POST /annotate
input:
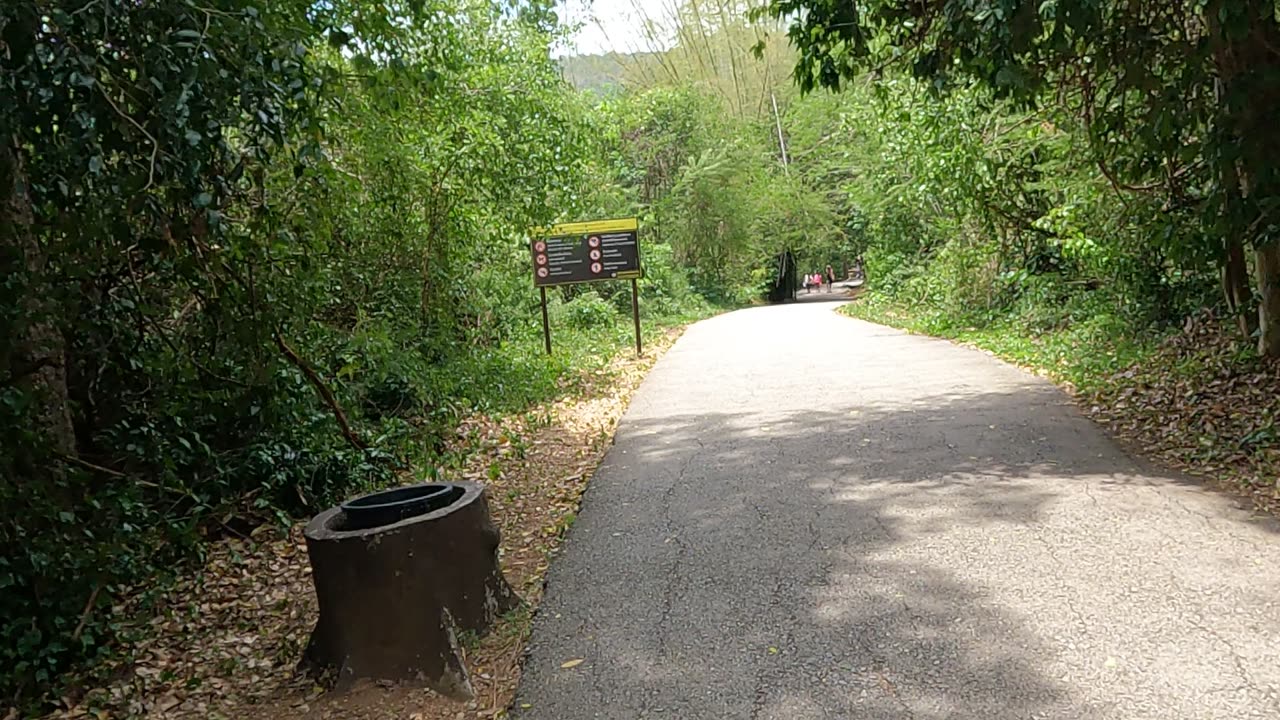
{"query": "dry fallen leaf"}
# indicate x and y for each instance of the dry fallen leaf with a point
(570, 663)
(227, 639)
(1201, 405)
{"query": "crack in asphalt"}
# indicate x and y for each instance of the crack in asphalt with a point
(1062, 586)
(1172, 500)
(760, 695)
(1241, 666)
(920, 532)
(673, 537)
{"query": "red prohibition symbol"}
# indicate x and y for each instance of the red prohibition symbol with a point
(596, 268)
(595, 254)
(542, 272)
(541, 259)
(540, 246)
(593, 241)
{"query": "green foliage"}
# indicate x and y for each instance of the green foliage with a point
(711, 199)
(987, 222)
(665, 284)
(211, 213)
(719, 201)
(1084, 352)
(983, 211)
(1170, 101)
(587, 311)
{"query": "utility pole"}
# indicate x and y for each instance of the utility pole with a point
(782, 142)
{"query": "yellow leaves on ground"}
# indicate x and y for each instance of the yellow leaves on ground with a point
(235, 630)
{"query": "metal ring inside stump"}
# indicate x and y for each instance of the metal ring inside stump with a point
(391, 506)
(397, 574)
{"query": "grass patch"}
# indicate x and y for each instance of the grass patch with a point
(230, 632)
(518, 374)
(1198, 399)
(1083, 353)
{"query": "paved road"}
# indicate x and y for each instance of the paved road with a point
(809, 517)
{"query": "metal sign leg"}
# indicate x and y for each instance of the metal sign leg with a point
(546, 326)
(635, 312)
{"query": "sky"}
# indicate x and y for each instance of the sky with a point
(611, 25)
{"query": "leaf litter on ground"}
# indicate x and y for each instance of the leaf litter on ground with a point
(225, 641)
(1205, 403)
(1202, 402)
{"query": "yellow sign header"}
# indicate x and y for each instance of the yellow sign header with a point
(591, 226)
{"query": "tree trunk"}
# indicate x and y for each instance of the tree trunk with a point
(393, 597)
(35, 360)
(1235, 285)
(1244, 34)
(1267, 259)
(1235, 269)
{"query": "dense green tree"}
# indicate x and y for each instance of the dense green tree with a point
(1174, 96)
(241, 244)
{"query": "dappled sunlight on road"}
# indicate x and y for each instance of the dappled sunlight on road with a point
(885, 526)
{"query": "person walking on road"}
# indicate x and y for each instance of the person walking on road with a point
(831, 278)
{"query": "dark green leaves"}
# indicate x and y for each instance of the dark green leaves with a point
(203, 176)
(338, 38)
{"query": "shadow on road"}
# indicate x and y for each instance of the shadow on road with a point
(875, 562)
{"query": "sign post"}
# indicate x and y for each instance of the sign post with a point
(586, 252)
(546, 326)
(635, 312)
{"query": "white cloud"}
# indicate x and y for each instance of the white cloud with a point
(617, 25)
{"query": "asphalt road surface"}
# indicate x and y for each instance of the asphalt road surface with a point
(807, 516)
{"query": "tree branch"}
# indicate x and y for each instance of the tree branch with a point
(88, 610)
(72, 459)
(323, 390)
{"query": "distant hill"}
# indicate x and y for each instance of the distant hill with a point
(600, 73)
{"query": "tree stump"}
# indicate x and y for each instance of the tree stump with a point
(397, 574)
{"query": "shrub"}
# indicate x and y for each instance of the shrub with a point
(587, 311)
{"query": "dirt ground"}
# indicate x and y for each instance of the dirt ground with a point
(229, 640)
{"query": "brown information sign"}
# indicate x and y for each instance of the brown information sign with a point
(585, 252)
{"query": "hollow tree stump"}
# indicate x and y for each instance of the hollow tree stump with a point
(393, 596)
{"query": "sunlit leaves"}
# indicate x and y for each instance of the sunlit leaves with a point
(354, 176)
